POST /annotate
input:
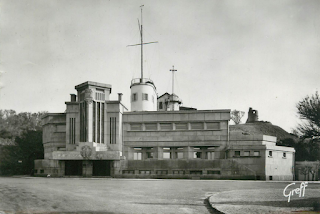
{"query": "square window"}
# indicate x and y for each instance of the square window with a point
(246, 153)
(144, 96)
(256, 153)
(179, 155)
(137, 156)
(237, 153)
(197, 155)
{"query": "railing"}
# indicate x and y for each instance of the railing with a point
(143, 80)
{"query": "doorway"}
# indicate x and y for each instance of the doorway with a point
(101, 168)
(73, 168)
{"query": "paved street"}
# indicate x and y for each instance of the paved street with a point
(104, 195)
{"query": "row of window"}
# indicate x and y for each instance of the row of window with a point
(144, 96)
(175, 153)
(100, 96)
(174, 172)
(255, 153)
(246, 153)
(174, 126)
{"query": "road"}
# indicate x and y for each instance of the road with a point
(106, 195)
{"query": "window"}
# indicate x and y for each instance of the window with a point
(149, 154)
(162, 172)
(151, 126)
(137, 155)
(72, 130)
(197, 155)
(256, 153)
(246, 153)
(179, 155)
(113, 130)
(197, 126)
(166, 153)
(144, 96)
(160, 105)
(213, 172)
(178, 172)
(136, 127)
(213, 125)
(210, 155)
(270, 153)
(134, 97)
(165, 126)
(270, 178)
(145, 172)
(237, 153)
(284, 155)
(41, 171)
(100, 96)
(181, 126)
(196, 172)
(127, 172)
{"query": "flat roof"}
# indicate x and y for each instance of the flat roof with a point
(90, 83)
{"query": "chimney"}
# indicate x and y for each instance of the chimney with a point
(73, 98)
(119, 97)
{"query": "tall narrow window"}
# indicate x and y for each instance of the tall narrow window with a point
(134, 97)
(94, 122)
(98, 122)
(102, 122)
(83, 122)
(113, 130)
(72, 130)
(160, 105)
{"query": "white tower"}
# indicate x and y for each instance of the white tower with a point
(143, 90)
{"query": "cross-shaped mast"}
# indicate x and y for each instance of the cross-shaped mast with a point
(173, 70)
(141, 36)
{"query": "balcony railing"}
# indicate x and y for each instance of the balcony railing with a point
(141, 80)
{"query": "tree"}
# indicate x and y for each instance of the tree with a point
(13, 125)
(19, 158)
(236, 116)
(309, 112)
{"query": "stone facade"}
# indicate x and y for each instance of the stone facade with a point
(99, 137)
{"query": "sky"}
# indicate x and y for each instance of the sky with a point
(228, 54)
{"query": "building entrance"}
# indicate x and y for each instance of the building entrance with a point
(101, 168)
(73, 168)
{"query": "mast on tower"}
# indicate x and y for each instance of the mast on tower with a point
(141, 43)
(143, 90)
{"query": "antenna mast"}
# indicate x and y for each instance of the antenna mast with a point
(141, 43)
(141, 35)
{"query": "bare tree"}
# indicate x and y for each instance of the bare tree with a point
(236, 116)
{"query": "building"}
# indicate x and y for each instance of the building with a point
(99, 137)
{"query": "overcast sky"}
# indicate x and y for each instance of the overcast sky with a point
(229, 54)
